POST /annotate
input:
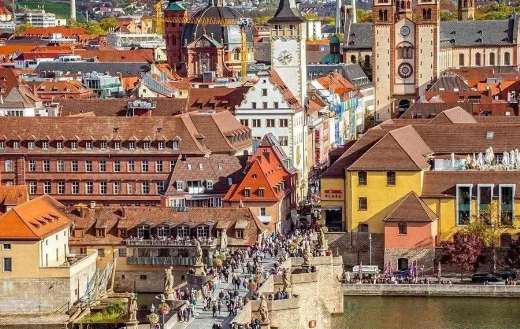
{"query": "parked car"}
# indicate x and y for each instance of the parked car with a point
(487, 278)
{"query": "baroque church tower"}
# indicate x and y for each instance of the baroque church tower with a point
(466, 10)
(405, 52)
(288, 48)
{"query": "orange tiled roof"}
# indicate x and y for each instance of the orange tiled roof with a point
(12, 195)
(48, 31)
(335, 82)
(33, 220)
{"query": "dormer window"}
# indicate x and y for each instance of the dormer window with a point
(261, 192)
(131, 145)
(104, 145)
(209, 185)
(239, 233)
(73, 145)
(146, 145)
(203, 231)
(117, 145)
(189, 166)
(45, 145)
(160, 145)
(247, 192)
(183, 231)
(88, 145)
(175, 145)
(180, 185)
(30, 145)
(59, 145)
(16, 144)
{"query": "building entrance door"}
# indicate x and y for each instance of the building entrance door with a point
(402, 264)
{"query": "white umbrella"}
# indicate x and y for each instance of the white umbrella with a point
(512, 158)
(480, 160)
(490, 156)
(505, 159)
(452, 160)
(468, 161)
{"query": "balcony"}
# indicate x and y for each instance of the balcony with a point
(205, 243)
(179, 261)
(264, 219)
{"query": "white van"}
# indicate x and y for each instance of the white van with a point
(366, 269)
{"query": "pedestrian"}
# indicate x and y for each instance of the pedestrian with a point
(214, 309)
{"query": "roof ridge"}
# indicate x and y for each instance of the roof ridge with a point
(391, 132)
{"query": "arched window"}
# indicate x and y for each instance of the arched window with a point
(353, 59)
(424, 13)
(507, 58)
(477, 59)
(461, 59)
(367, 60)
(465, 4)
(404, 51)
(429, 14)
(381, 15)
(236, 54)
(492, 59)
(408, 6)
(385, 15)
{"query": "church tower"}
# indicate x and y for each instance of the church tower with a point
(466, 10)
(288, 48)
(174, 15)
(405, 57)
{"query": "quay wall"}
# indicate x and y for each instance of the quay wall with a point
(440, 290)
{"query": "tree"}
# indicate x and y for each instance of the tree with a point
(22, 27)
(108, 24)
(448, 15)
(464, 251)
(364, 16)
(94, 27)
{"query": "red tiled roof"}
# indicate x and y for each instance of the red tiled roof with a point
(12, 195)
(288, 96)
(33, 220)
(48, 31)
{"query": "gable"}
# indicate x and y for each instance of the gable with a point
(254, 94)
(254, 179)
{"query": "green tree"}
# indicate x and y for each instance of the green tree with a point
(93, 27)
(364, 16)
(108, 24)
(448, 15)
(22, 27)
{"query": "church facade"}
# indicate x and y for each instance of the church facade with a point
(408, 47)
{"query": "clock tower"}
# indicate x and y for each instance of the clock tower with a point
(288, 48)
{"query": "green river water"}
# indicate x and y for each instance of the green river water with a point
(372, 312)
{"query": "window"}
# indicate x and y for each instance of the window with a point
(8, 165)
(172, 165)
(390, 178)
(276, 105)
(363, 228)
(261, 192)
(47, 187)
(131, 145)
(507, 58)
(257, 123)
(505, 240)
(244, 122)
(32, 188)
(264, 92)
(175, 145)
(102, 166)
(30, 145)
(131, 166)
(239, 233)
(46, 165)
(146, 145)
(117, 145)
(253, 105)
(144, 166)
(180, 185)
(88, 145)
(8, 264)
(88, 166)
(284, 140)
(129, 188)
(247, 192)
(59, 145)
(183, 231)
(121, 252)
(461, 59)
(265, 105)
(163, 231)
(73, 145)
(362, 178)
(103, 188)
(477, 59)
(75, 187)
(403, 228)
(145, 188)
(159, 166)
(32, 165)
(101, 252)
(160, 187)
(75, 166)
(142, 277)
(160, 145)
(116, 187)
(492, 59)
(45, 145)
(263, 212)
(209, 185)
(270, 123)
(89, 187)
(7, 246)
(284, 123)
(103, 145)
(61, 187)
(463, 195)
(2, 145)
(506, 199)
(117, 166)
(60, 166)
(362, 203)
(203, 231)
(484, 197)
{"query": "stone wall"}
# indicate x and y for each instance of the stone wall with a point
(444, 290)
(32, 295)
(144, 280)
(355, 247)
(424, 257)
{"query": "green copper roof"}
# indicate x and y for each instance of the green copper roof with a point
(334, 39)
(175, 6)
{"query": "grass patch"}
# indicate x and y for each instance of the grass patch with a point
(113, 313)
(61, 9)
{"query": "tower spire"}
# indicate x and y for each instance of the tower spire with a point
(287, 12)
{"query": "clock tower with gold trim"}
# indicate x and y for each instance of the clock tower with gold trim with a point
(288, 48)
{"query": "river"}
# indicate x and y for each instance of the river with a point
(373, 312)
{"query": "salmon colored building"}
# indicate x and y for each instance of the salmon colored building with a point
(268, 186)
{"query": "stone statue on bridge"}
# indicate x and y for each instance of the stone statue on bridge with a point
(263, 310)
(286, 277)
(307, 253)
(322, 240)
(198, 253)
(169, 290)
(132, 308)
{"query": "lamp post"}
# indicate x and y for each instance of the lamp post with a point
(369, 248)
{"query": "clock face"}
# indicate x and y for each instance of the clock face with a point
(285, 57)
(405, 31)
(405, 70)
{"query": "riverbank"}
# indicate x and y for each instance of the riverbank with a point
(438, 290)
